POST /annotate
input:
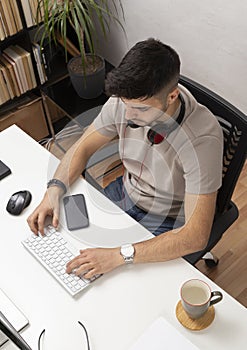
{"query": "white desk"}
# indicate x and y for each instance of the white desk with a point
(118, 307)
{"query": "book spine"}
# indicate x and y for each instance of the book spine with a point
(27, 12)
(4, 21)
(9, 17)
(16, 71)
(20, 65)
(17, 91)
(7, 80)
(38, 63)
(33, 79)
(2, 32)
(4, 91)
(16, 15)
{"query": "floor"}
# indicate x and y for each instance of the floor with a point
(231, 272)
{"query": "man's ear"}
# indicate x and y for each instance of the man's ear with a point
(172, 96)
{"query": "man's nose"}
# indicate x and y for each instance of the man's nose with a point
(130, 113)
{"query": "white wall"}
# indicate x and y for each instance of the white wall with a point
(210, 37)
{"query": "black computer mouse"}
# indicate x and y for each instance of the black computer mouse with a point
(18, 202)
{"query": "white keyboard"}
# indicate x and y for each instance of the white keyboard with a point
(53, 252)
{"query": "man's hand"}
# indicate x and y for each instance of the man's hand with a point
(49, 206)
(95, 261)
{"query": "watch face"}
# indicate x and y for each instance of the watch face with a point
(127, 250)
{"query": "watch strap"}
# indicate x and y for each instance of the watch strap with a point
(129, 260)
(58, 183)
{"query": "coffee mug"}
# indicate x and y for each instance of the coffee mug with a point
(197, 297)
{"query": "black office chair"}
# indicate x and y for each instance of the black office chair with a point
(234, 125)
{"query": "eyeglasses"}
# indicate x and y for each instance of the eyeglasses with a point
(82, 325)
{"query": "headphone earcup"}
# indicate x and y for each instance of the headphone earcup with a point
(154, 137)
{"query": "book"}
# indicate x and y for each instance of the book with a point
(41, 10)
(28, 66)
(23, 55)
(30, 63)
(20, 66)
(27, 12)
(39, 61)
(9, 17)
(38, 64)
(37, 17)
(3, 98)
(16, 14)
(4, 22)
(13, 314)
(3, 84)
(13, 79)
(2, 31)
(16, 71)
(47, 53)
(7, 80)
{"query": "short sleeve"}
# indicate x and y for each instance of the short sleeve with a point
(106, 121)
(202, 164)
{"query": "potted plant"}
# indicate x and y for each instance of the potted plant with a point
(87, 70)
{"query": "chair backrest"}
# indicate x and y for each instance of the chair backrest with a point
(234, 126)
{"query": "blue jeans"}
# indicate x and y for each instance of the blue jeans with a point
(156, 224)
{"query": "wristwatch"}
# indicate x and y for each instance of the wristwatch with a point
(128, 252)
(56, 182)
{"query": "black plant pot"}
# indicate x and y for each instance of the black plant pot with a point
(90, 85)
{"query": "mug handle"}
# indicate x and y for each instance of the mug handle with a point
(216, 300)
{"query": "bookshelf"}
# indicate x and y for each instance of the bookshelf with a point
(24, 67)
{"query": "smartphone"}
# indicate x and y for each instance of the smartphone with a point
(76, 212)
(4, 170)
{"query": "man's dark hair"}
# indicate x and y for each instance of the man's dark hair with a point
(147, 68)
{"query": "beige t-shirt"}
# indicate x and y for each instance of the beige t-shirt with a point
(188, 160)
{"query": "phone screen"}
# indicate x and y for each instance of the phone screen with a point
(75, 211)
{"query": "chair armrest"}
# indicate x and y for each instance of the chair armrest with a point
(102, 154)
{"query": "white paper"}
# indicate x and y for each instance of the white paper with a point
(161, 335)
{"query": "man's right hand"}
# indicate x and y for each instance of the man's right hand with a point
(49, 206)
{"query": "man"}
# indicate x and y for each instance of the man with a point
(171, 148)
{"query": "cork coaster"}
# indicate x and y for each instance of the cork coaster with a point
(194, 325)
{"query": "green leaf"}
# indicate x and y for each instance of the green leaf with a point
(86, 18)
